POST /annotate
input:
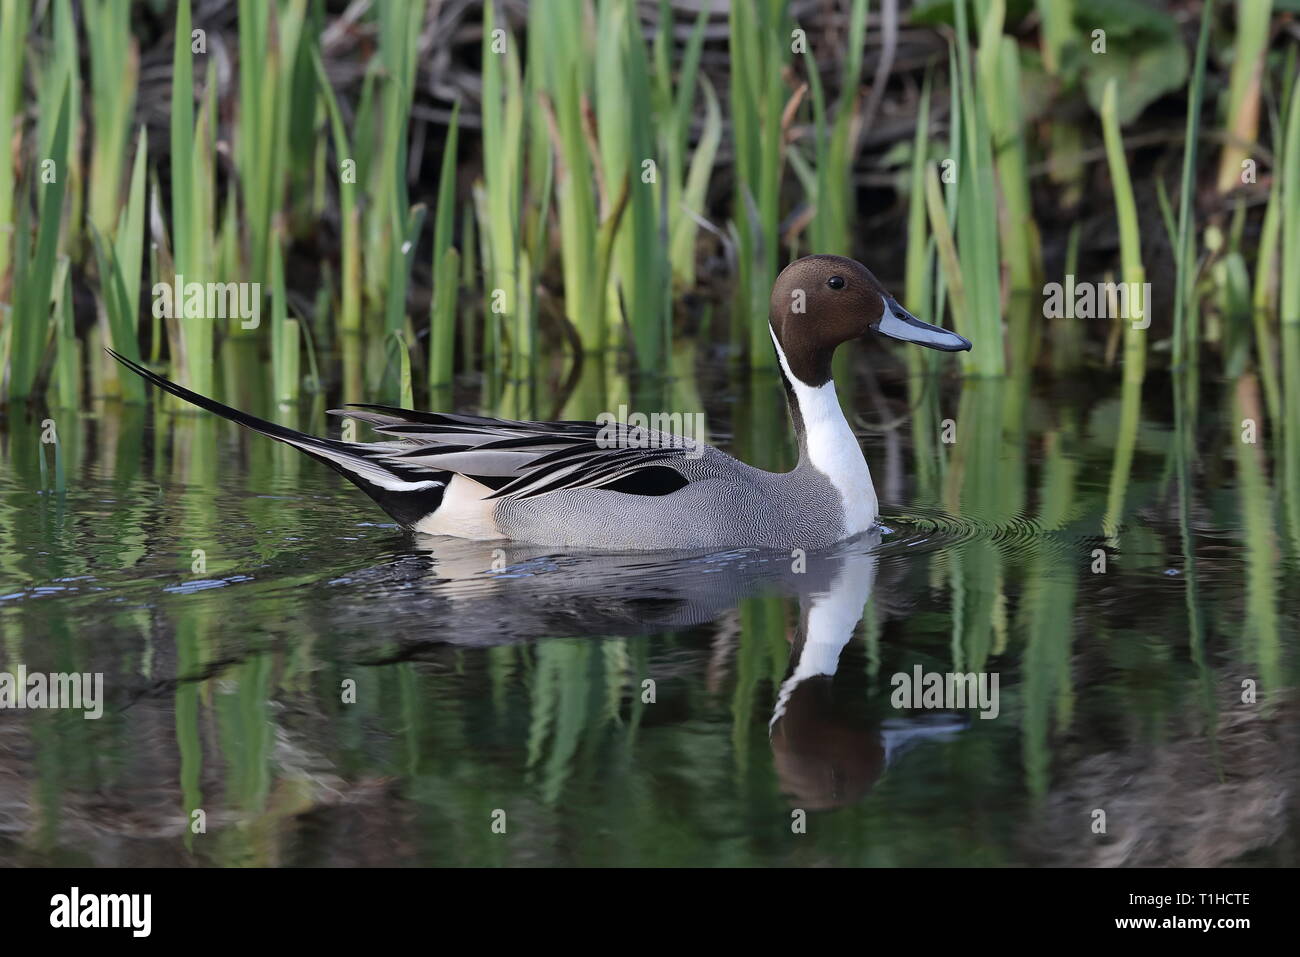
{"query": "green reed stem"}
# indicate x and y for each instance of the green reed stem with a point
(977, 215)
(286, 377)
(1289, 310)
(446, 266)
(503, 105)
(114, 72)
(1135, 337)
(13, 48)
(1244, 87)
(35, 282)
(1183, 253)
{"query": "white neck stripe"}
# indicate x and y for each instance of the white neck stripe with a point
(832, 447)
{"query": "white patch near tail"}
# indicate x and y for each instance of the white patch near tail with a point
(363, 468)
(463, 512)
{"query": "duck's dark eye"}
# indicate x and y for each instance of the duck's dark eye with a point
(835, 282)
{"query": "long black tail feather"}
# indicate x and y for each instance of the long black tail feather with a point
(407, 494)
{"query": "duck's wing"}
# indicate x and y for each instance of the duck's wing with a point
(524, 459)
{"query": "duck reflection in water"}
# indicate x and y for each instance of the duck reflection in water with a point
(824, 757)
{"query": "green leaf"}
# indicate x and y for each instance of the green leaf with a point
(1142, 75)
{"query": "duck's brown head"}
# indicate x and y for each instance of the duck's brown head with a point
(819, 302)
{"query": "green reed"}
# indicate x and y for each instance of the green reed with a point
(405, 228)
(502, 185)
(446, 267)
(349, 312)
(1241, 108)
(67, 361)
(119, 263)
(919, 292)
(34, 271)
(919, 264)
(1183, 252)
(1185, 393)
(835, 144)
(977, 216)
(389, 220)
(1263, 298)
(999, 72)
(965, 223)
(1289, 308)
(941, 226)
(984, 455)
(1259, 535)
(52, 179)
(265, 105)
(1289, 176)
(759, 49)
(594, 203)
(13, 45)
(561, 79)
(285, 349)
(192, 194)
(628, 156)
(61, 70)
(114, 76)
(1052, 583)
(1133, 275)
(687, 183)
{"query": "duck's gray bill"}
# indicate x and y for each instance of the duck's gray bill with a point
(898, 323)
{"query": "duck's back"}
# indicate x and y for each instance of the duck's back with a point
(725, 504)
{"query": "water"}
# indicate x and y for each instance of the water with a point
(703, 709)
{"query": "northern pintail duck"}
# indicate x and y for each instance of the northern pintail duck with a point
(586, 485)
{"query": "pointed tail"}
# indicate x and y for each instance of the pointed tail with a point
(407, 494)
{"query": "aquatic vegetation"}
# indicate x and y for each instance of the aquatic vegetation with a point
(34, 271)
(829, 182)
(977, 205)
(499, 198)
(759, 49)
(1241, 108)
(1289, 304)
(687, 181)
(601, 145)
(445, 268)
(1135, 323)
(266, 104)
(119, 261)
(114, 76)
(191, 337)
(13, 45)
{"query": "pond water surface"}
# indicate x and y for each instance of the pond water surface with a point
(329, 690)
